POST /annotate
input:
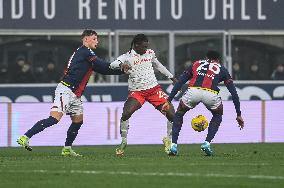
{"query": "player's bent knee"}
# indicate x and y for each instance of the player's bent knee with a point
(56, 115)
(218, 110)
(77, 118)
(182, 108)
(77, 123)
(126, 115)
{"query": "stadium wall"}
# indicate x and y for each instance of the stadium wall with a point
(263, 120)
(248, 90)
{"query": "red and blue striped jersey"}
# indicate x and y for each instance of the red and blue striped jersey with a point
(80, 67)
(207, 74)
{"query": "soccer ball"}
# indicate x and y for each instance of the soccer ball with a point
(199, 123)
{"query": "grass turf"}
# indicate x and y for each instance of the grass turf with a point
(233, 165)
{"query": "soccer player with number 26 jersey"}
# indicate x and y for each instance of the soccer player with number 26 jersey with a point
(204, 77)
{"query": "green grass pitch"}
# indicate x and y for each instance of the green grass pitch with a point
(233, 165)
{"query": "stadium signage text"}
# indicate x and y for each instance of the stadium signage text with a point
(139, 8)
(122, 14)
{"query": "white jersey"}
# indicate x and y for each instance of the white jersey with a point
(141, 75)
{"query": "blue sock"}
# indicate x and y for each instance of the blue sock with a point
(177, 124)
(72, 133)
(213, 127)
(41, 125)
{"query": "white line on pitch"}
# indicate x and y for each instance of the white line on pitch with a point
(191, 164)
(146, 174)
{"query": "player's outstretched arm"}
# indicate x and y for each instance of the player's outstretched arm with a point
(121, 63)
(103, 67)
(232, 89)
(161, 68)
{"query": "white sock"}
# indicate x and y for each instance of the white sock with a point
(169, 129)
(124, 126)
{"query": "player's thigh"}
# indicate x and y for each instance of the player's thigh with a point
(211, 100)
(137, 95)
(218, 110)
(76, 107)
(191, 97)
(130, 106)
(63, 96)
(157, 98)
(182, 108)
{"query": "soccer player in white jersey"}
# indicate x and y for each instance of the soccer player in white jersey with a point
(143, 86)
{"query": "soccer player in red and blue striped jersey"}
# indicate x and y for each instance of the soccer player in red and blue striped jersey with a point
(204, 77)
(68, 92)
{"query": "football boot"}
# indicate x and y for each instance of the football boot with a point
(24, 142)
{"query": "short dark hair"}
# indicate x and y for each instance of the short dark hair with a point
(214, 55)
(88, 32)
(138, 39)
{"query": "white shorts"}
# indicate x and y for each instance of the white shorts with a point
(194, 96)
(66, 101)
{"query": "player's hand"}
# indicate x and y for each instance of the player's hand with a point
(240, 122)
(125, 67)
(174, 80)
